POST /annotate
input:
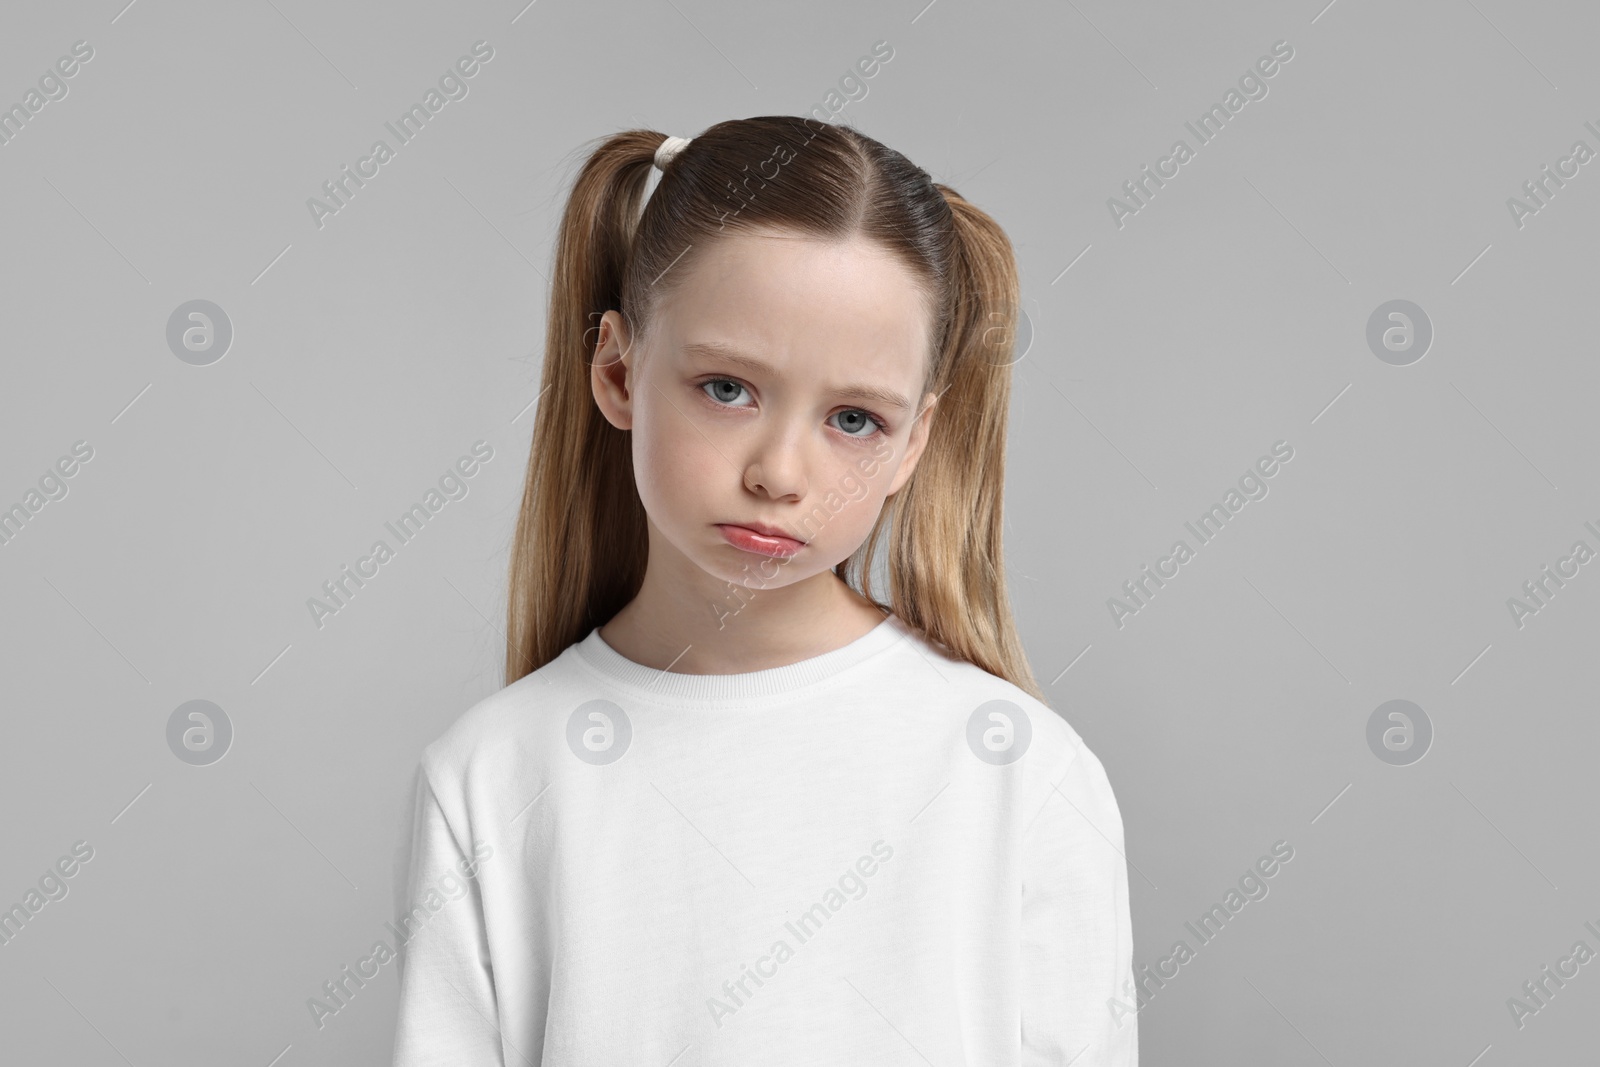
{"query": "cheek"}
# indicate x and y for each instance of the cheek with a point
(671, 460)
(858, 498)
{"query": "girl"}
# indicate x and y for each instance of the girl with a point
(730, 808)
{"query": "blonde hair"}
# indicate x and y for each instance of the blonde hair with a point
(581, 544)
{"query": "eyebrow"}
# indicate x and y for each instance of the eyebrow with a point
(715, 350)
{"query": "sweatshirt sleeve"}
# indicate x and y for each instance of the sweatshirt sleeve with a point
(448, 1013)
(1077, 939)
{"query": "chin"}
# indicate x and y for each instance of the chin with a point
(753, 571)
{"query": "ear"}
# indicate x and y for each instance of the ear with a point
(611, 370)
(918, 441)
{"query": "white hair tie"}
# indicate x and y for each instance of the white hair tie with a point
(668, 149)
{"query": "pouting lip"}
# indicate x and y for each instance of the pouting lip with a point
(766, 530)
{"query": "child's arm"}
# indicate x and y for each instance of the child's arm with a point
(1077, 941)
(448, 1014)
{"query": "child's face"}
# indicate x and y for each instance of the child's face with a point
(718, 442)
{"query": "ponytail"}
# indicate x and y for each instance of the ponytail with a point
(947, 569)
(581, 540)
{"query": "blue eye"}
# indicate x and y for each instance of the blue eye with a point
(712, 390)
(866, 421)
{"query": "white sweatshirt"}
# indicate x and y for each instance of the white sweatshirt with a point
(880, 855)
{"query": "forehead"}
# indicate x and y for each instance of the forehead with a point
(848, 306)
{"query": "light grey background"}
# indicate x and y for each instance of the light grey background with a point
(1229, 313)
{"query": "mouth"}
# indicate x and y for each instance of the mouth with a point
(762, 540)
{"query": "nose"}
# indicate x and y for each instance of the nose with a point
(777, 468)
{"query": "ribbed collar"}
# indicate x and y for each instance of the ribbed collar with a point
(728, 690)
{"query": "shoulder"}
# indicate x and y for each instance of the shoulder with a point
(1057, 774)
(969, 690)
(503, 732)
